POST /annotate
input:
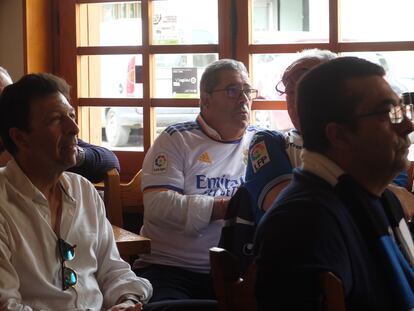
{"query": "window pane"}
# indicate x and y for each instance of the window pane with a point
(398, 66)
(116, 128)
(110, 24)
(110, 76)
(178, 75)
(176, 22)
(267, 72)
(287, 21)
(168, 116)
(123, 127)
(272, 119)
(376, 20)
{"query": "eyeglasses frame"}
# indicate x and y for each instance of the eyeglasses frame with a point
(227, 89)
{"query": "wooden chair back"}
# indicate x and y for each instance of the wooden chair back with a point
(235, 293)
(410, 176)
(119, 197)
(333, 291)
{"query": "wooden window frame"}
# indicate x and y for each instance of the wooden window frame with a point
(245, 49)
(69, 53)
(234, 42)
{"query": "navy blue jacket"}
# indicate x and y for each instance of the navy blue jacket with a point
(98, 160)
(310, 229)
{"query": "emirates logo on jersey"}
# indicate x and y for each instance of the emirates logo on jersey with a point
(204, 157)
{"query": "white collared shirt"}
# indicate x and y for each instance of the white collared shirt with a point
(30, 263)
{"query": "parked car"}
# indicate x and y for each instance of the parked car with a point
(123, 124)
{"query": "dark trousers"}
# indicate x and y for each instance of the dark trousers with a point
(172, 283)
(182, 305)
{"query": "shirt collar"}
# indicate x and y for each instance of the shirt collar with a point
(20, 181)
(212, 133)
(321, 166)
(208, 129)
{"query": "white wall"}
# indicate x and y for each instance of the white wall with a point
(11, 37)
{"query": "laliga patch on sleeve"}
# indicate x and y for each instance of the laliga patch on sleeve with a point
(259, 156)
(160, 164)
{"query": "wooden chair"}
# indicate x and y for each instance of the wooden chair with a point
(334, 297)
(410, 176)
(237, 294)
(233, 292)
(119, 198)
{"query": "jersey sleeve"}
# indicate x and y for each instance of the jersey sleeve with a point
(268, 164)
(163, 165)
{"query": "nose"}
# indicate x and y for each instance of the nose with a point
(244, 98)
(71, 126)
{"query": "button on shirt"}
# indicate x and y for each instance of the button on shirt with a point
(30, 264)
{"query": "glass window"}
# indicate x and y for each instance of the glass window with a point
(111, 76)
(398, 65)
(288, 21)
(178, 75)
(376, 20)
(267, 72)
(175, 22)
(110, 24)
(122, 127)
(272, 119)
(171, 115)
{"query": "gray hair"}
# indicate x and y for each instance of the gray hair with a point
(210, 78)
(323, 55)
(5, 72)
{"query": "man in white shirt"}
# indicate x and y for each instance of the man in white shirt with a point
(57, 250)
(189, 175)
(92, 162)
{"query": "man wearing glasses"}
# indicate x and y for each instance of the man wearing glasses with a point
(269, 171)
(57, 250)
(337, 215)
(273, 155)
(189, 175)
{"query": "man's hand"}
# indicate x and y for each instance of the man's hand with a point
(127, 306)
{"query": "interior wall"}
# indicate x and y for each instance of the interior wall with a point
(11, 37)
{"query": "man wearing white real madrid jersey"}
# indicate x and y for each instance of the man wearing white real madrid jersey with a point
(189, 175)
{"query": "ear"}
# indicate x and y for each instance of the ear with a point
(19, 137)
(205, 99)
(339, 136)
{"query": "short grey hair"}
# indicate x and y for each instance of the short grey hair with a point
(210, 78)
(323, 55)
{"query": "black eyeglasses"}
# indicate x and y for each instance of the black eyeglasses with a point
(235, 92)
(289, 78)
(67, 253)
(396, 113)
